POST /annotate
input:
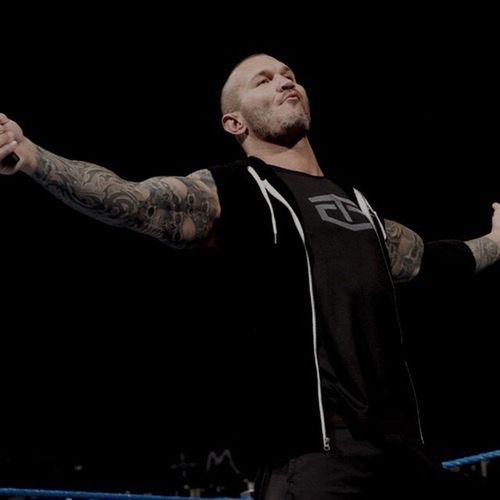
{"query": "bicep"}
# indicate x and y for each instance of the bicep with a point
(179, 211)
(405, 248)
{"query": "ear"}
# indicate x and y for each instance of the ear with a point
(234, 124)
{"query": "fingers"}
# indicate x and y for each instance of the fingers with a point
(6, 124)
(496, 206)
(6, 136)
(8, 144)
(6, 149)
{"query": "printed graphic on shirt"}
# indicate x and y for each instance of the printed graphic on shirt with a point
(341, 211)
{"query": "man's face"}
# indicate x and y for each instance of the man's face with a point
(274, 106)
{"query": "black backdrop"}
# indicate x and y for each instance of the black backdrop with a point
(116, 350)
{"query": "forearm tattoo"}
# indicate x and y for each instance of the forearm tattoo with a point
(485, 251)
(405, 249)
(179, 211)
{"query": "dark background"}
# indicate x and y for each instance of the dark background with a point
(118, 353)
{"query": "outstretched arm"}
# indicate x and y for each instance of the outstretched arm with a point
(406, 248)
(179, 211)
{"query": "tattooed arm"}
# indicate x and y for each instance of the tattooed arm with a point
(486, 250)
(405, 248)
(179, 211)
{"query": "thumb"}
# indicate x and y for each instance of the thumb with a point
(496, 206)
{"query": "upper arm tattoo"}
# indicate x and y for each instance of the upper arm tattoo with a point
(405, 249)
(179, 211)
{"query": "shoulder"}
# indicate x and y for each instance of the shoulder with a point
(232, 181)
(227, 172)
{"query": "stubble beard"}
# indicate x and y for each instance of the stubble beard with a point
(287, 131)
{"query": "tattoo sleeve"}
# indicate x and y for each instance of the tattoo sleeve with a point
(179, 211)
(405, 249)
(485, 251)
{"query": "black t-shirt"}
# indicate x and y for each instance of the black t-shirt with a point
(355, 308)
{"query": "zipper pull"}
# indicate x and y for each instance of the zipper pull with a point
(326, 443)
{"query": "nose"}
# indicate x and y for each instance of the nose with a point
(285, 84)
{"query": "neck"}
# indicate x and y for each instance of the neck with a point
(299, 158)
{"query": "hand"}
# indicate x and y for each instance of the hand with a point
(12, 140)
(495, 223)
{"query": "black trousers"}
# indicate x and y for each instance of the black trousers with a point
(353, 469)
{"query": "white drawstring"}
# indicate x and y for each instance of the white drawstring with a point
(259, 182)
(369, 212)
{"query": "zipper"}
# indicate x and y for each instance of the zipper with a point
(417, 405)
(269, 188)
(412, 384)
(368, 211)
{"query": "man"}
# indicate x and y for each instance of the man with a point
(314, 268)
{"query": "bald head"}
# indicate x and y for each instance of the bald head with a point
(230, 95)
